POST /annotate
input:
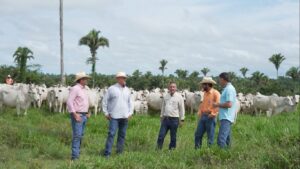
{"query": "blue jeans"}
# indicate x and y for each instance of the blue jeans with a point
(207, 125)
(114, 125)
(224, 137)
(77, 134)
(166, 125)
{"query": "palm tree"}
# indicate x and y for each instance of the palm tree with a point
(163, 67)
(259, 78)
(277, 59)
(93, 41)
(244, 71)
(205, 71)
(62, 78)
(293, 72)
(182, 74)
(21, 55)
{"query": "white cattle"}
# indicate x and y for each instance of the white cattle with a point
(154, 100)
(193, 100)
(140, 107)
(272, 104)
(94, 99)
(17, 97)
(61, 96)
(42, 92)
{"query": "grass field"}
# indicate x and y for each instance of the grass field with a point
(42, 140)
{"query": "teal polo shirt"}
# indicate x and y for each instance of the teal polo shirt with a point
(228, 95)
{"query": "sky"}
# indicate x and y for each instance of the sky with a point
(190, 34)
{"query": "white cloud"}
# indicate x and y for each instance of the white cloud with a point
(189, 34)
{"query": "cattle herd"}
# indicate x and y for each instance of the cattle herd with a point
(22, 96)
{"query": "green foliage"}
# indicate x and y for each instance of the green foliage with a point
(277, 59)
(21, 55)
(93, 40)
(42, 140)
(258, 82)
(205, 71)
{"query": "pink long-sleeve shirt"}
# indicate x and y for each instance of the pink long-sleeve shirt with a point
(78, 99)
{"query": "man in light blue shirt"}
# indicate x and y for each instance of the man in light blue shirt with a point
(118, 109)
(227, 110)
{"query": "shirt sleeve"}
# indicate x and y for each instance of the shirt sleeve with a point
(229, 97)
(130, 105)
(104, 102)
(181, 109)
(215, 110)
(162, 108)
(71, 99)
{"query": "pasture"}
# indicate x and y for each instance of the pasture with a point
(42, 140)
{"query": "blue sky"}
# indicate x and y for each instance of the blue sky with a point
(190, 34)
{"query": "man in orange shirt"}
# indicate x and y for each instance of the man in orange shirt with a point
(207, 113)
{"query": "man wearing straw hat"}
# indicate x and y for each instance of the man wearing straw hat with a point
(117, 106)
(78, 106)
(207, 113)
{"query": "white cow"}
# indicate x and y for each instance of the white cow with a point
(61, 96)
(42, 92)
(193, 100)
(140, 107)
(271, 104)
(154, 100)
(17, 97)
(94, 99)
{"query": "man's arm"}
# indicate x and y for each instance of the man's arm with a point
(181, 109)
(71, 99)
(104, 103)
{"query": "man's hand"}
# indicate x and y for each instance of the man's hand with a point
(88, 115)
(216, 105)
(108, 117)
(211, 116)
(181, 123)
(129, 117)
(77, 117)
(161, 119)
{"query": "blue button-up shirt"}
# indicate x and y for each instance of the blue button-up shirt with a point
(228, 95)
(117, 102)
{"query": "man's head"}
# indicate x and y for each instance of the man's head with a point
(121, 78)
(172, 87)
(224, 79)
(83, 81)
(9, 80)
(82, 78)
(207, 83)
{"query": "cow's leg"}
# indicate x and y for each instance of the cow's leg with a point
(18, 109)
(95, 109)
(25, 113)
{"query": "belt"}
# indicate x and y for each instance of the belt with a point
(171, 118)
(82, 113)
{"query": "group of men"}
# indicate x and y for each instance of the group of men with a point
(118, 110)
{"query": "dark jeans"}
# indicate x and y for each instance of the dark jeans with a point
(166, 125)
(224, 137)
(77, 134)
(207, 125)
(114, 125)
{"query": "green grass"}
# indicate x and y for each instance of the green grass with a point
(42, 140)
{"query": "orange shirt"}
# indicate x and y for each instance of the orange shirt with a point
(210, 97)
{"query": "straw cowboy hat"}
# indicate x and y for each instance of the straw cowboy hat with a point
(121, 74)
(81, 75)
(208, 80)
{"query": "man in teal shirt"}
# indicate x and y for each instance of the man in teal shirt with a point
(227, 110)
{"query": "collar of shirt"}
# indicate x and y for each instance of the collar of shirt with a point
(82, 87)
(120, 86)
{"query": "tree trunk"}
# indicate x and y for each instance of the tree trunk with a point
(62, 79)
(93, 68)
